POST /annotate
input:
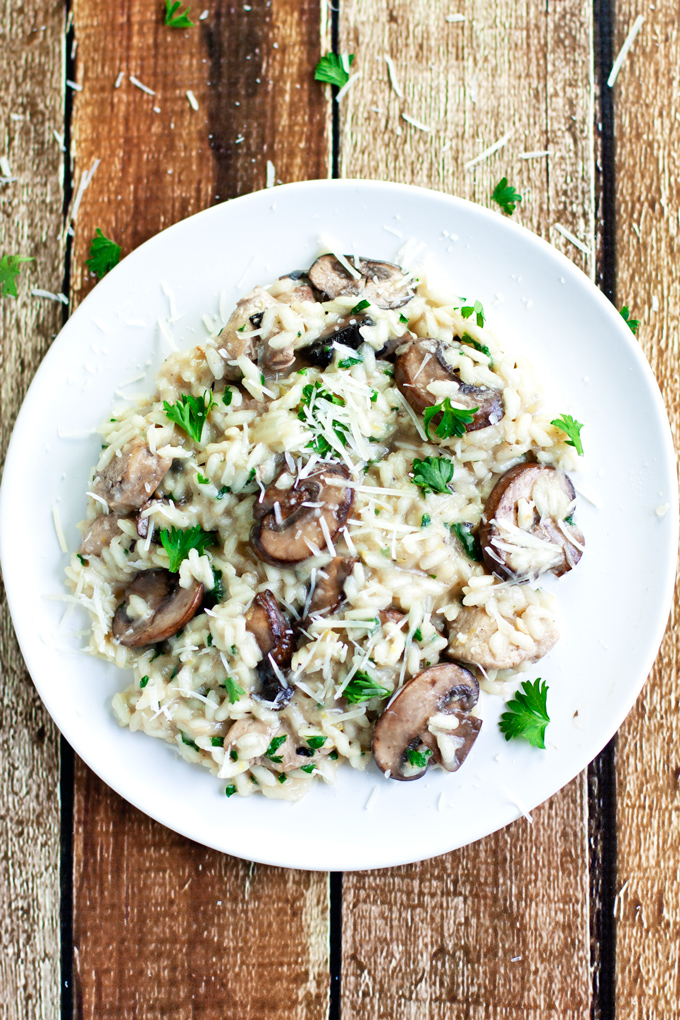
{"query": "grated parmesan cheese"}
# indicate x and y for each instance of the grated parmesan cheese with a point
(485, 153)
(193, 102)
(623, 52)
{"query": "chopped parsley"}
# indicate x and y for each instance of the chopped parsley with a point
(233, 754)
(217, 590)
(234, 691)
(571, 428)
(482, 348)
(144, 681)
(374, 396)
(348, 362)
(569, 519)
(468, 541)
(316, 742)
(202, 480)
(80, 558)
(188, 741)
(454, 419)
(104, 254)
(527, 714)
(217, 741)
(433, 474)
(209, 640)
(418, 634)
(273, 748)
(311, 393)
(175, 18)
(230, 790)
(178, 543)
(333, 68)
(282, 778)
(308, 768)
(403, 318)
(223, 492)
(302, 371)
(360, 307)
(632, 324)
(389, 371)
(334, 755)
(426, 519)
(505, 196)
(190, 413)
(10, 267)
(467, 310)
(418, 759)
(362, 687)
(227, 396)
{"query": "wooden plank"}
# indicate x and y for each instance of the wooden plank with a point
(164, 927)
(31, 97)
(447, 933)
(647, 110)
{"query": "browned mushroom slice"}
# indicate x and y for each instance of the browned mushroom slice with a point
(276, 641)
(346, 331)
(299, 287)
(423, 362)
(127, 482)
(330, 584)
(390, 616)
(232, 341)
(155, 608)
(382, 283)
(428, 721)
(286, 531)
(527, 526)
(99, 534)
(473, 638)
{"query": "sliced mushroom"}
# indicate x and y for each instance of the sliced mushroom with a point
(127, 482)
(145, 523)
(154, 608)
(275, 638)
(298, 287)
(329, 589)
(286, 531)
(390, 616)
(100, 534)
(475, 637)
(232, 341)
(346, 331)
(382, 283)
(526, 528)
(424, 362)
(429, 717)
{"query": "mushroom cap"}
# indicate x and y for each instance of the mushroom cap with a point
(551, 543)
(445, 690)
(382, 283)
(284, 543)
(269, 625)
(102, 530)
(329, 590)
(470, 635)
(127, 482)
(171, 607)
(422, 363)
(346, 331)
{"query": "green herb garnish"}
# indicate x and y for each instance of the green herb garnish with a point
(223, 491)
(482, 348)
(316, 742)
(227, 396)
(348, 362)
(403, 318)
(505, 196)
(217, 590)
(467, 310)
(217, 741)
(433, 474)
(418, 759)
(631, 323)
(572, 428)
(362, 687)
(273, 748)
(527, 714)
(190, 413)
(202, 480)
(454, 419)
(308, 768)
(175, 18)
(360, 307)
(188, 741)
(234, 691)
(144, 681)
(282, 778)
(104, 254)
(230, 790)
(334, 755)
(418, 634)
(468, 541)
(425, 520)
(81, 559)
(178, 544)
(334, 68)
(10, 267)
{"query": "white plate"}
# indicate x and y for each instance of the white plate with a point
(614, 606)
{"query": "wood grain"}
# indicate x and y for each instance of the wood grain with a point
(31, 98)
(164, 927)
(647, 112)
(441, 939)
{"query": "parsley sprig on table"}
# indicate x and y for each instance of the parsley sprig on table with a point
(362, 687)
(10, 267)
(631, 323)
(104, 254)
(334, 68)
(175, 18)
(454, 419)
(527, 714)
(178, 544)
(477, 309)
(433, 474)
(572, 428)
(505, 196)
(190, 413)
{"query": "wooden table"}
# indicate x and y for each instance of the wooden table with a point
(106, 914)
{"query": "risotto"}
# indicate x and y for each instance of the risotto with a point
(325, 530)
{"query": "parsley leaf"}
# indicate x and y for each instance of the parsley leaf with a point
(144, 681)
(230, 790)
(104, 254)
(426, 519)
(467, 310)
(10, 267)
(217, 741)
(454, 419)
(234, 691)
(316, 742)
(282, 777)
(308, 768)
(482, 348)
(311, 394)
(403, 318)
(273, 748)
(348, 362)
(202, 480)
(418, 634)
(418, 758)
(223, 492)
(334, 68)
(572, 428)
(178, 543)
(467, 540)
(527, 714)
(334, 755)
(631, 323)
(188, 741)
(362, 687)
(433, 474)
(360, 307)
(190, 413)
(176, 18)
(505, 196)
(217, 590)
